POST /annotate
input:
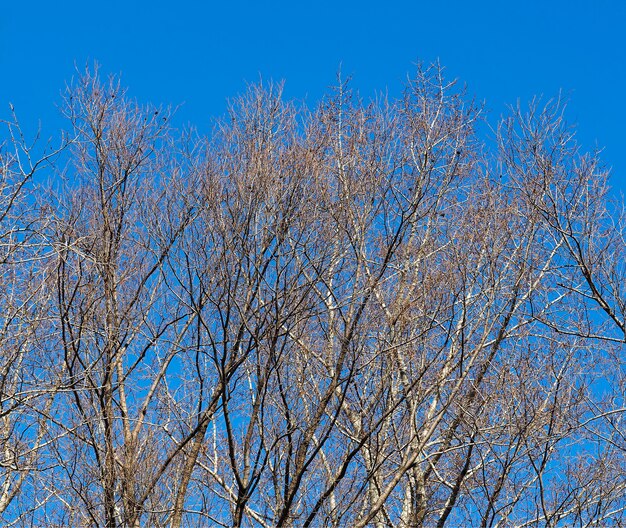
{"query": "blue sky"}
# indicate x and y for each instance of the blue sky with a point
(201, 53)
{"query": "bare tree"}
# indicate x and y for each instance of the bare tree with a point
(26, 390)
(368, 314)
(120, 328)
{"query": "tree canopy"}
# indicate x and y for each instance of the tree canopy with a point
(362, 314)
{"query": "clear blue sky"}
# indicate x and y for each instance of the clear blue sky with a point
(201, 53)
